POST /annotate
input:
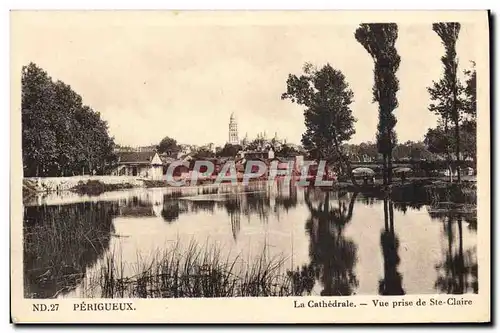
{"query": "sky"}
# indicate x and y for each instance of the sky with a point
(155, 75)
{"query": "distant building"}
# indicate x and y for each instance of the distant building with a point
(210, 147)
(233, 131)
(143, 164)
(252, 155)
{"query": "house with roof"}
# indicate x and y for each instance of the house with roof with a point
(142, 164)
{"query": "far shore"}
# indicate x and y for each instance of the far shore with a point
(423, 190)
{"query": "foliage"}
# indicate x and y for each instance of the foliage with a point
(361, 152)
(204, 153)
(229, 150)
(440, 141)
(60, 135)
(328, 117)
(448, 89)
(411, 150)
(379, 41)
(287, 151)
(470, 91)
(167, 145)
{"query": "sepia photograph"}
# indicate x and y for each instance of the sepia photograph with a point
(322, 161)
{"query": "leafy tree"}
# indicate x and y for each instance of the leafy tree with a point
(468, 134)
(230, 150)
(167, 144)
(439, 141)
(436, 140)
(412, 151)
(218, 151)
(287, 151)
(328, 117)
(469, 127)
(448, 89)
(470, 91)
(204, 153)
(379, 40)
(362, 151)
(60, 135)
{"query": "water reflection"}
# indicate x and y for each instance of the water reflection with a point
(61, 243)
(339, 243)
(233, 209)
(172, 209)
(391, 284)
(332, 255)
(403, 206)
(286, 198)
(458, 272)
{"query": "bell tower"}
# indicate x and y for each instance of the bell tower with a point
(233, 131)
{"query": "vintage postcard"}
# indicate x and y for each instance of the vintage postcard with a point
(250, 167)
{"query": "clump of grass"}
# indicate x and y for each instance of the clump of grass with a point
(198, 271)
(96, 187)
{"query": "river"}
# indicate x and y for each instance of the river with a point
(344, 243)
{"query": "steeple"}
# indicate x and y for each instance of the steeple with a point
(233, 130)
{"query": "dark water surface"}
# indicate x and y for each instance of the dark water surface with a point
(347, 243)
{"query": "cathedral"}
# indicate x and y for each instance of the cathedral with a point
(262, 142)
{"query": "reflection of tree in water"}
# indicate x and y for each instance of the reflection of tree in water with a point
(332, 255)
(403, 206)
(286, 201)
(202, 206)
(458, 272)
(391, 284)
(233, 209)
(247, 203)
(172, 209)
(258, 203)
(471, 222)
(135, 207)
(61, 242)
(367, 200)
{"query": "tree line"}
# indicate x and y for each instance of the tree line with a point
(326, 96)
(60, 135)
(168, 144)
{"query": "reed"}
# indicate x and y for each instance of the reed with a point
(198, 271)
(58, 249)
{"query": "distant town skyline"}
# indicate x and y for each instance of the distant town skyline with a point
(149, 78)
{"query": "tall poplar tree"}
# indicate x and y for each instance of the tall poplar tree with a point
(448, 89)
(379, 40)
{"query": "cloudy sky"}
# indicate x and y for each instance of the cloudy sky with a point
(182, 75)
